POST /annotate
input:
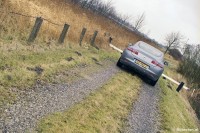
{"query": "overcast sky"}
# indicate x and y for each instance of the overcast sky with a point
(165, 16)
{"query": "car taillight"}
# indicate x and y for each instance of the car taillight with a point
(156, 63)
(133, 50)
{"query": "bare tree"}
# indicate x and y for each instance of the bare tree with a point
(105, 8)
(174, 40)
(139, 22)
(84, 3)
(125, 18)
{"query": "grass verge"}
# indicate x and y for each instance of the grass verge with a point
(176, 113)
(103, 111)
(22, 69)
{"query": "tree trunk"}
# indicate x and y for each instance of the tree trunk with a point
(167, 50)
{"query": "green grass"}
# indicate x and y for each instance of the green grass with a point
(16, 66)
(176, 113)
(103, 111)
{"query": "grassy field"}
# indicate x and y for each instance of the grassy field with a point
(103, 111)
(176, 112)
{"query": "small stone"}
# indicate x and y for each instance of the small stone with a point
(69, 59)
(38, 70)
(16, 120)
(94, 59)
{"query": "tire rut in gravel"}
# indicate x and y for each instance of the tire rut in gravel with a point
(144, 116)
(43, 100)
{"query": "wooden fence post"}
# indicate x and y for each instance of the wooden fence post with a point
(63, 34)
(110, 39)
(180, 87)
(35, 29)
(82, 36)
(93, 38)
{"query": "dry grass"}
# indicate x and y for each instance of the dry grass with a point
(103, 111)
(61, 13)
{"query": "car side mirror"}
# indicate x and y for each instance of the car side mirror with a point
(166, 63)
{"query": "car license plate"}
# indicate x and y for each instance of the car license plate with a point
(141, 64)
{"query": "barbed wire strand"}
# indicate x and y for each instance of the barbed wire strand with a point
(29, 16)
(22, 15)
(52, 22)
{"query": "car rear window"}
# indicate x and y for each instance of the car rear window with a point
(150, 49)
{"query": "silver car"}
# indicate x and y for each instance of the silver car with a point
(145, 59)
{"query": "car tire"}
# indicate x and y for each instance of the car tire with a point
(153, 83)
(119, 64)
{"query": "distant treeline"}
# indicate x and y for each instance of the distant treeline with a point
(104, 8)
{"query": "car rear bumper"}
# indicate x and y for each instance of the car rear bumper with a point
(145, 72)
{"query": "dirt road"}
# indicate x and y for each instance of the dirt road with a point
(144, 116)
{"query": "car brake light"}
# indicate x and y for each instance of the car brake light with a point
(156, 63)
(133, 50)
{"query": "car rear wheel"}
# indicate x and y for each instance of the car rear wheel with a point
(119, 64)
(153, 83)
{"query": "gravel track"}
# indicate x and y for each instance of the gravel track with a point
(24, 115)
(144, 116)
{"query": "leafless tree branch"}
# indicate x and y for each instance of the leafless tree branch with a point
(174, 40)
(139, 22)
